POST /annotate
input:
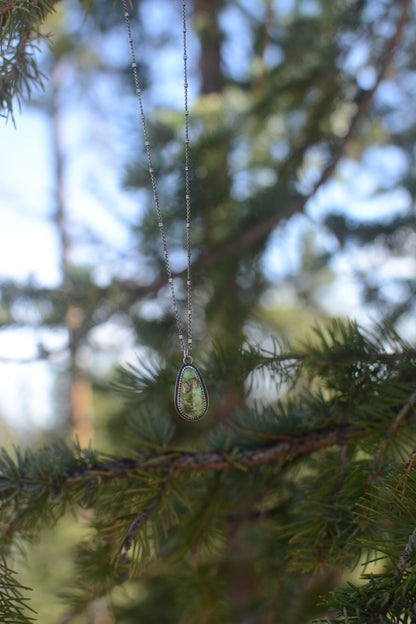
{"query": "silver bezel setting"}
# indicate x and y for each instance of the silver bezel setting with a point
(177, 393)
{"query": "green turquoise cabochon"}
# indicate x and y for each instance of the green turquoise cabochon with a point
(191, 396)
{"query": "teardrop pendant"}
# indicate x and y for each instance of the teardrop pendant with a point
(191, 395)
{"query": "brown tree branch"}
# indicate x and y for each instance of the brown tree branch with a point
(175, 463)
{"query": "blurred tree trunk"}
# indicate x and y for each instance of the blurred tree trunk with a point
(78, 403)
(210, 38)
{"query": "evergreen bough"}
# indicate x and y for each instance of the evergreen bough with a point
(20, 34)
(285, 496)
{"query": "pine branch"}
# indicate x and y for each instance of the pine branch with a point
(8, 6)
(13, 604)
(140, 520)
(388, 534)
(178, 501)
(178, 462)
(395, 424)
(20, 28)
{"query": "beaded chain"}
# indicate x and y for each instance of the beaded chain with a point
(186, 345)
(190, 395)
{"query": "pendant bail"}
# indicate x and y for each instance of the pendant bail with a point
(187, 357)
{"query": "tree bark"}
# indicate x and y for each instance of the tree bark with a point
(210, 38)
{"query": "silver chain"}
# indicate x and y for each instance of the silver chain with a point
(186, 346)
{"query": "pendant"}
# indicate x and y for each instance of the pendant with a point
(191, 395)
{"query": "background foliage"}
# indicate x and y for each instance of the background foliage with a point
(303, 180)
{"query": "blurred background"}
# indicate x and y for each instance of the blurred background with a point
(302, 132)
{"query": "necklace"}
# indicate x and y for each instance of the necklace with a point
(190, 396)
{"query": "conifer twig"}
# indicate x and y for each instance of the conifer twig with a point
(7, 7)
(216, 460)
(377, 614)
(402, 413)
(140, 520)
(9, 80)
(94, 473)
(406, 552)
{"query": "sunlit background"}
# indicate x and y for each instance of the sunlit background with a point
(73, 142)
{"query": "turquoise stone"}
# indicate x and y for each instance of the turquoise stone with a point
(191, 396)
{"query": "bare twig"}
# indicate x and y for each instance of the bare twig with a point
(140, 520)
(406, 552)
